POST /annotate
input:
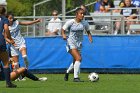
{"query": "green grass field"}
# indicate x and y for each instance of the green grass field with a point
(108, 83)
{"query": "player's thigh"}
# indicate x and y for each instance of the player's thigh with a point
(23, 51)
(4, 58)
(14, 51)
(76, 55)
(15, 58)
(14, 75)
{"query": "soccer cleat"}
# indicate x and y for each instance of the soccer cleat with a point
(43, 79)
(17, 79)
(77, 80)
(20, 79)
(11, 85)
(66, 76)
(23, 79)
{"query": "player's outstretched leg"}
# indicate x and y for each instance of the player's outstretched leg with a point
(33, 77)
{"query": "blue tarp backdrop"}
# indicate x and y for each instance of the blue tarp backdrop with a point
(104, 52)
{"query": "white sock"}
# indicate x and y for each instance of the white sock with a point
(76, 68)
(24, 56)
(70, 67)
(26, 62)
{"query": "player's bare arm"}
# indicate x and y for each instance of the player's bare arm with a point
(7, 35)
(63, 34)
(30, 22)
(89, 36)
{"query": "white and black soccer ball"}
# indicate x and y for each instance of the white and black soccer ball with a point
(93, 77)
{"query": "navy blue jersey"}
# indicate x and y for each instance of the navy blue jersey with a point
(3, 21)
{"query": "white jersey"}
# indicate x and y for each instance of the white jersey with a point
(19, 40)
(15, 33)
(76, 33)
(76, 29)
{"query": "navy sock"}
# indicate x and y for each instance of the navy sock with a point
(30, 75)
(7, 75)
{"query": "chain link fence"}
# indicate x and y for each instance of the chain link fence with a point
(103, 24)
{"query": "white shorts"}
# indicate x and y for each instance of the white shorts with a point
(74, 45)
(15, 50)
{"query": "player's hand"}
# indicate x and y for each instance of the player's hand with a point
(38, 20)
(91, 41)
(13, 43)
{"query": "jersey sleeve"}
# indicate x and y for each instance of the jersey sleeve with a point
(17, 22)
(86, 26)
(67, 24)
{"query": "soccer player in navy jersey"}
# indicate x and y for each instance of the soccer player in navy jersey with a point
(5, 34)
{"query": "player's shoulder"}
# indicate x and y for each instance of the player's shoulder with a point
(4, 20)
(70, 21)
(84, 22)
(3, 17)
(16, 22)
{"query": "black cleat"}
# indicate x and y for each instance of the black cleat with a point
(77, 80)
(66, 76)
(11, 85)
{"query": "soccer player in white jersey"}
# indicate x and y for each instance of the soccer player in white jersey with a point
(76, 27)
(19, 40)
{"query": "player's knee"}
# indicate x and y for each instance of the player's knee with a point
(23, 69)
(78, 58)
(6, 64)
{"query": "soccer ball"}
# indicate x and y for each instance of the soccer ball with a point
(93, 77)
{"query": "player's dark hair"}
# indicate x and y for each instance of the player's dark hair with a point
(78, 9)
(10, 13)
(2, 10)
